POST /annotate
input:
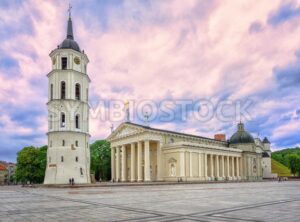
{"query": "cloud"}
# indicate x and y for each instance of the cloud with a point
(157, 50)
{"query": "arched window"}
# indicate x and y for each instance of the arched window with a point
(63, 143)
(64, 63)
(51, 92)
(81, 171)
(62, 120)
(62, 159)
(76, 159)
(76, 143)
(77, 91)
(62, 90)
(77, 121)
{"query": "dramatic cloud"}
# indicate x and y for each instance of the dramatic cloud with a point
(234, 51)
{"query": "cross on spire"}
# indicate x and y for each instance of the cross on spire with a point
(69, 10)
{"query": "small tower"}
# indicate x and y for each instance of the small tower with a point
(68, 154)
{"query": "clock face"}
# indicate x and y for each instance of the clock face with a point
(77, 60)
(54, 61)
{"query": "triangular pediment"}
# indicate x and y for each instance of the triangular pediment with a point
(125, 130)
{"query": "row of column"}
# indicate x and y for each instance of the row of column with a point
(118, 162)
(218, 168)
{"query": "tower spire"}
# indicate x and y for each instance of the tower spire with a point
(70, 27)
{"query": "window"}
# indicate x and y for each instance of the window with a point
(64, 63)
(63, 120)
(76, 159)
(81, 171)
(62, 159)
(77, 121)
(51, 92)
(76, 143)
(77, 91)
(63, 143)
(63, 90)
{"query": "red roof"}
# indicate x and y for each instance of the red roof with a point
(2, 167)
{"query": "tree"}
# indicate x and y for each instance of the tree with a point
(100, 159)
(294, 164)
(31, 164)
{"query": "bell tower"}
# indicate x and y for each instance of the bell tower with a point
(68, 154)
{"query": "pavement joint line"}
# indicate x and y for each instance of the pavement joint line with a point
(227, 210)
(157, 213)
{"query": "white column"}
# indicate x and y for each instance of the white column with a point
(233, 170)
(241, 168)
(205, 166)
(191, 164)
(139, 161)
(158, 159)
(237, 167)
(211, 167)
(147, 160)
(199, 165)
(118, 165)
(217, 166)
(113, 164)
(182, 164)
(228, 171)
(132, 163)
(223, 167)
(124, 158)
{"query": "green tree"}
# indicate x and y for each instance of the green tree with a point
(294, 164)
(31, 164)
(100, 159)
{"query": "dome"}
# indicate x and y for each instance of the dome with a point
(241, 136)
(266, 140)
(69, 44)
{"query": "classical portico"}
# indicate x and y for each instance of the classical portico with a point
(143, 154)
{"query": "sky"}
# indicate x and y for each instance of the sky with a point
(215, 56)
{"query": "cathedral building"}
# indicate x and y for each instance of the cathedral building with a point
(68, 154)
(141, 153)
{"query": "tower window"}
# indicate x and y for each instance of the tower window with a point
(76, 143)
(62, 159)
(81, 171)
(51, 92)
(63, 90)
(64, 63)
(76, 159)
(63, 120)
(77, 91)
(63, 143)
(77, 121)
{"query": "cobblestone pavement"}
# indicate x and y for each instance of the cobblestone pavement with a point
(259, 201)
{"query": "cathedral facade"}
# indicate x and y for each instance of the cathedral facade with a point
(140, 153)
(68, 154)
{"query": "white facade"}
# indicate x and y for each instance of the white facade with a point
(68, 154)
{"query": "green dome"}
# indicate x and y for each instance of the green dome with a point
(241, 136)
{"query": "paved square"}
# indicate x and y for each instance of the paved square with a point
(259, 201)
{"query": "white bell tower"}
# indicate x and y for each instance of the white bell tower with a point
(68, 154)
